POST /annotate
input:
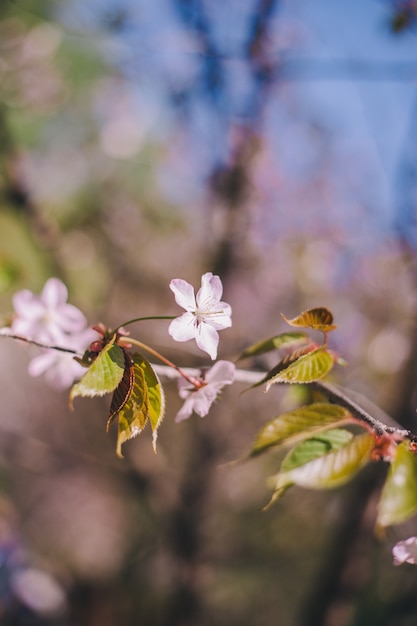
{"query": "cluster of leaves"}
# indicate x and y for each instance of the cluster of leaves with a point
(137, 393)
(329, 442)
(323, 452)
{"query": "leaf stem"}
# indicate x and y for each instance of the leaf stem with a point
(144, 319)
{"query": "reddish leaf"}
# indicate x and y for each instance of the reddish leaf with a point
(319, 318)
(123, 391)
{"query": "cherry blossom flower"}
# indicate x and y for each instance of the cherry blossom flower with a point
(200, 399)
(48, 317)
(49, 320)
(60, 368)
(405, 551)
(205, 313)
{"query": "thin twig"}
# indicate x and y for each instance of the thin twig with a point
(40, 345)
(335, 394)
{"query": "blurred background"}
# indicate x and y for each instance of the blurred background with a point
(273, 143)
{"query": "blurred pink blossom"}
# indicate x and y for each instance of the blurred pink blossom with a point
(200, 400)
(60, 368)
(50, 321)
(205, 313)
(46, 318)
(405, 551)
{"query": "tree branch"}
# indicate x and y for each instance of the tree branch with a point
(361, 408)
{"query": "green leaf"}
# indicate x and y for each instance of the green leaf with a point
(314, 448)
(318, 318)
(133, 415)
(276, 496)
(399, 496)
(286, 362)
(332, 469)
(103, 375)
(156, 398)
(284, 340)
(144, 400)
(299, 424)
(308, 451)
(306, 369)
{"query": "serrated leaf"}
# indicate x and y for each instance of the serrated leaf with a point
(299, 424)
(306, 369)
(285, 362)
(144, 401)
(315, 447)
(284, 340)
(156, 398)
(332, 469)
(133, 416)
(318, 318)
(398, 500)
(103, 375)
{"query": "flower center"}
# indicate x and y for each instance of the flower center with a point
(201, 314)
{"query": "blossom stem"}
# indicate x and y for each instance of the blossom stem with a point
(194, 380)
(144, 319)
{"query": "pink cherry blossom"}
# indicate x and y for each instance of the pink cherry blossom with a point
(205, 313)
(200, 400)
(405, 551)
(60, 368)
(48, 317)
(49, 320)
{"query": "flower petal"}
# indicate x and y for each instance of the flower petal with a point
(183, 328)
(210, 292)
(222, 373)
(26, 304)
(199, 401)
(64, 374)
(203, 399)
(70, 319)
(185, 411)
(220, 316)
(207, 339)
(405, 551)
(184, 293)
(54, 293)
(185, 388)
(40, 364)
(60, 368)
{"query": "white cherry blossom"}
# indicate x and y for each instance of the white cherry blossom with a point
(200, 400)
(205, 313)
